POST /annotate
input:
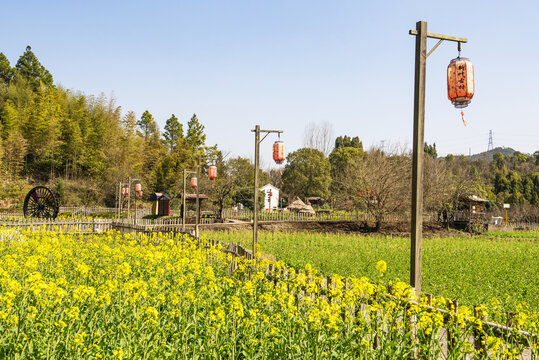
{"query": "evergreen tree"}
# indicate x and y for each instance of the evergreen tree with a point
(6, 72)
(346, 141)
(173, 132)
(431, 150)
(147, 124)
(355, 143)
(29, 67)
(195, 134)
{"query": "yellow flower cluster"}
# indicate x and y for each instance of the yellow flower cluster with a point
(167, 296)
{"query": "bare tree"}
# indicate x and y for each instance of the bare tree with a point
(378, 183)
(319, 137)
(437, 184)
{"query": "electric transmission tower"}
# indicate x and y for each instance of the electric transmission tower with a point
(490, 144)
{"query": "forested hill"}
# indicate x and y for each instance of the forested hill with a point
(51, 135)
(489, 155)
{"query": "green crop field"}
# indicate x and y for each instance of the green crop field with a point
(489, 269)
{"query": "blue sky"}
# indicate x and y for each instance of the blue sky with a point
(285, 64)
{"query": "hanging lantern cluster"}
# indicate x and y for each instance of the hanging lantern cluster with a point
(279, 152)
(138, 189)
(460, 81)
(125, 191)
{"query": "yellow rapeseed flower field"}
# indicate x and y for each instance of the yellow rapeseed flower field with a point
(166, 296)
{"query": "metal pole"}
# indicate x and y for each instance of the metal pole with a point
(417, 159)
(183, 202)
(198, 200)
(255, 209)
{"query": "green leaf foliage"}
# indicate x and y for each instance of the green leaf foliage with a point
(307, 173)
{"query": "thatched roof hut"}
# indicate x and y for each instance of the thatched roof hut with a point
(300, 207)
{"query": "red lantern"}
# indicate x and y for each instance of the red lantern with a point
(138, 188)
(212, 172)
(194, 182)
(126, 191)
(460, 82)
(140, 193)
(123, 191)
(279, 152)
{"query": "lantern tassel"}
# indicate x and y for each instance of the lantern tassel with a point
(462, 115)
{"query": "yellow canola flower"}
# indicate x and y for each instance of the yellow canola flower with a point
(381, 266)
(79, 339)
(151, 312)
(73, 312)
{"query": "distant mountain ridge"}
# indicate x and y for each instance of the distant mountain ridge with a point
(488, 155)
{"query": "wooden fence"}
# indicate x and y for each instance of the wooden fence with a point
(64, 225)
(507, 332)
(321, 216)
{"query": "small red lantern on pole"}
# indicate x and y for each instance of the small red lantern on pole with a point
(212, 172)
(194, 182)
(140, 193)
(460, 82)
(138, 188)
(279, 154)
(123, 191)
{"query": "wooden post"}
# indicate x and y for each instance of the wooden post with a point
(255, 208)
(418, 145)
(129, 200)
(417, 159)
(257, 132)
(120, 200)
(183, 201)
(198, 199)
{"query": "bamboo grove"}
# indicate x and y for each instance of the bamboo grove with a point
(51, 134)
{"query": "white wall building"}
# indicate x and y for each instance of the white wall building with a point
(271, 198)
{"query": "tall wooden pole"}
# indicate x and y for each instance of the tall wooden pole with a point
(257, 132)
(198, 196)
(129, 200)
(255, 208)
(419, 145)
(120, 199)
(183, 202)
(417, 160)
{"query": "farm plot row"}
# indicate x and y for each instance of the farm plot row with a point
(499, 272)
(164, 296)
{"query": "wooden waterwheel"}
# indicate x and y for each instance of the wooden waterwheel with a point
(40, 202)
